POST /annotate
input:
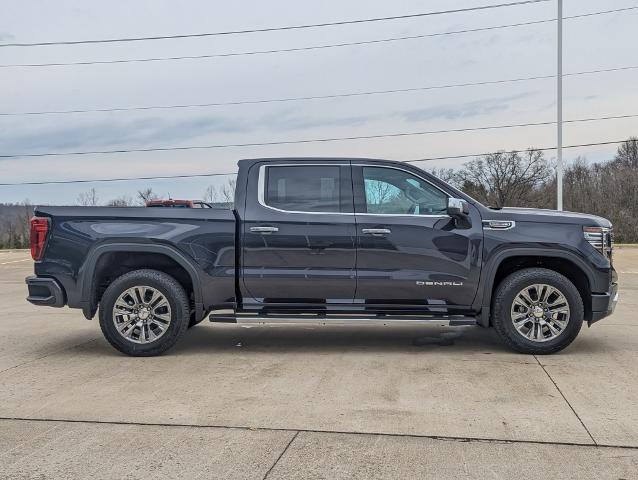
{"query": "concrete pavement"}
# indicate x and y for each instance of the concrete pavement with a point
(313, 402)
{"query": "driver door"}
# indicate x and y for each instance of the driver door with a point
(409, 251)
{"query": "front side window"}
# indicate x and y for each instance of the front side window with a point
(396, 192)
(301, 188)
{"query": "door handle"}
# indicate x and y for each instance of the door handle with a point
(264, 230)
(376, 231)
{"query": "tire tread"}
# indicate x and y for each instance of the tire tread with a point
(175, 293)
(501, 310)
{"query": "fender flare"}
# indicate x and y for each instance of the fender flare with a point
(488, 275)
(86, 274)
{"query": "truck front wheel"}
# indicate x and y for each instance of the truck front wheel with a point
(537, 311)
(144, 312)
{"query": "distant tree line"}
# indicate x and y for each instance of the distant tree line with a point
(515, 179)
(14, 224)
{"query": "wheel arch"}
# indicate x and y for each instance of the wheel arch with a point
(507, 262)
(100, 260)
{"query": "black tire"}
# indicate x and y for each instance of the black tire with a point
(169, 288)
(503, 301)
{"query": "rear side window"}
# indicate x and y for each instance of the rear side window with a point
(312, 188)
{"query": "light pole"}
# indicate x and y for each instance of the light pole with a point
(559, 110)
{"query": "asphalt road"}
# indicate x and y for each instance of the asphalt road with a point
(313, 402)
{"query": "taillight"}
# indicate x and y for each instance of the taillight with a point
(601, 238)
(39, 230)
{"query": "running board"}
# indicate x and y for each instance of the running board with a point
(311, 319)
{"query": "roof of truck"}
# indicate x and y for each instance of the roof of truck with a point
(250, 161)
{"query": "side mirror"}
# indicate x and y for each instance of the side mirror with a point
(457, 208)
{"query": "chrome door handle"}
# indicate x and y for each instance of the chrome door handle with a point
(265, 230)
(376, 231)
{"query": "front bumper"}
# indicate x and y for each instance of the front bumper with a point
(603, 305)
(45, 291)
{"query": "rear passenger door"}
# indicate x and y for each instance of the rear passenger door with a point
(299, 234)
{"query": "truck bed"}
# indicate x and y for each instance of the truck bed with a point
(84, 240)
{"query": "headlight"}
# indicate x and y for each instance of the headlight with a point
(601, 238)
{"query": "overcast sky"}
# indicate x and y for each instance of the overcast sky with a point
(603, 41)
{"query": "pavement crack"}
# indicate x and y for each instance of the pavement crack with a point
(281, 455)
(566, 401)
(442, 438)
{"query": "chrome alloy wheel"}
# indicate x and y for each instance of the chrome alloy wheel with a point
(540, 312)
(141, 314)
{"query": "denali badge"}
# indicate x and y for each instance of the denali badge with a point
(440, 284)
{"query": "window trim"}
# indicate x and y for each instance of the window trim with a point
(261, 186)
(392, 167)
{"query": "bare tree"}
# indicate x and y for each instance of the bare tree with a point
(448, 175)
(627, 153)
(379, 193)
(579, 186)
(609, 190)
(14, 224)
(146, 195)
(224, 193)
(88, 198)
(210, 194)
(123, 201)
(24, 219)
(505, 178)
(9, 227)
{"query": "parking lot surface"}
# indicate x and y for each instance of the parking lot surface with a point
(313, 402)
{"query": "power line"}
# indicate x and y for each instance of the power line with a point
(300, 49)
(318, 97)
(272, 29)
(123, 179)
(286, 99)
(312, 140)
(279, 50)
(200, 175)
(281, 142)
(595, 119)
(544, 149)
(600, 12)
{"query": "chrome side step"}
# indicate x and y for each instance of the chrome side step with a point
(312, 319)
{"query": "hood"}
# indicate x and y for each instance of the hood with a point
(545, 216)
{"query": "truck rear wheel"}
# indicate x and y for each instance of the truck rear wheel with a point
(144, 312)
(537, 311)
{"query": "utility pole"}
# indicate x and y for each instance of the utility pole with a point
(559, 110)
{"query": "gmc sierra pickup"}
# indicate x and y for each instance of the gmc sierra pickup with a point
(327, 241)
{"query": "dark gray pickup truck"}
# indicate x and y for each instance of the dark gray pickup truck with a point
(328, 241)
